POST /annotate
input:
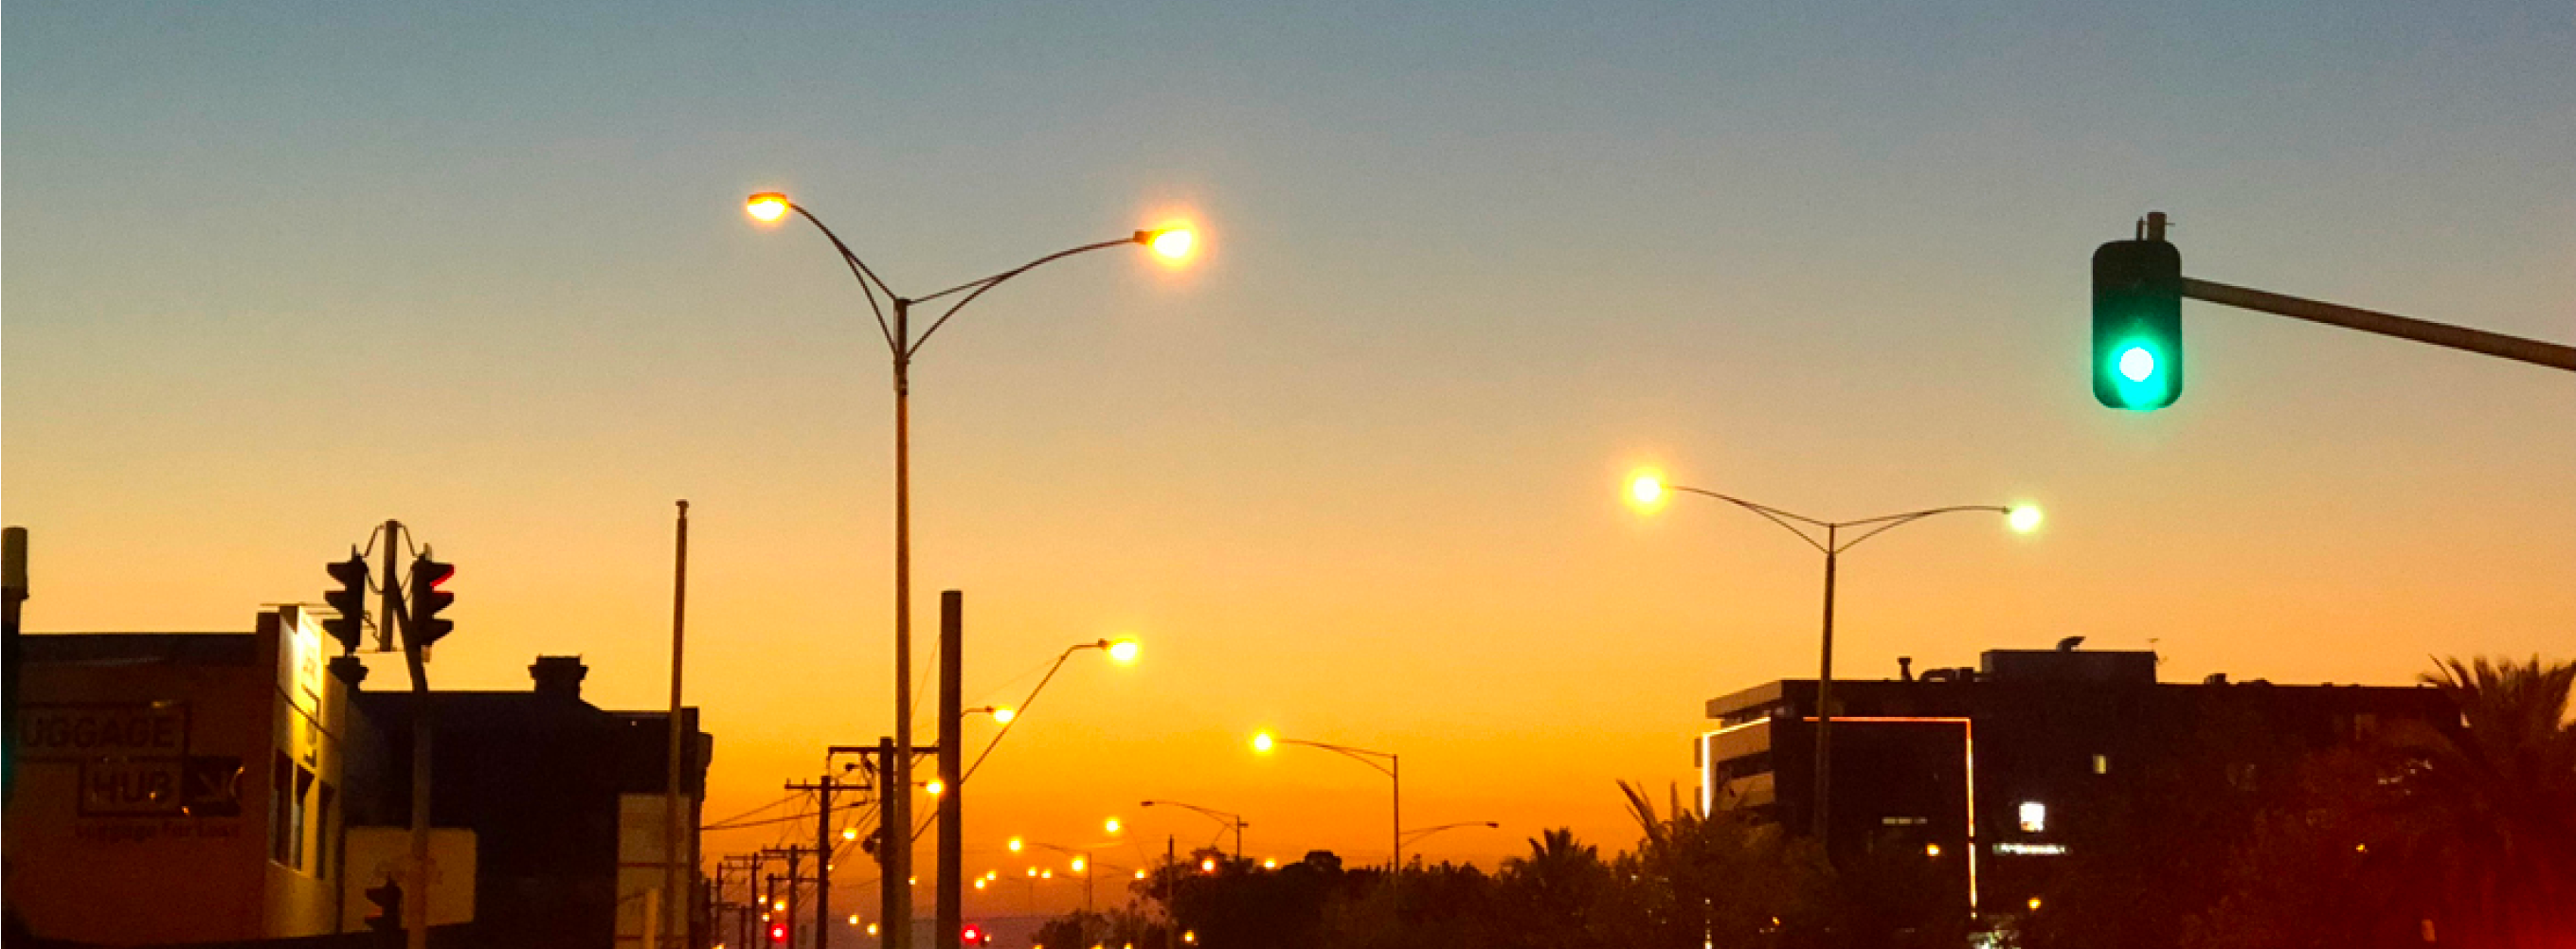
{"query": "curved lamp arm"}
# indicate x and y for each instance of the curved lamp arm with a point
(1023, 710)
(1415, 836)
(1884, 524)
(977, 287)
(1361, 755)
(859, 271)
(1832, 544)
(1769, 513)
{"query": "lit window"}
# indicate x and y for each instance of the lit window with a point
(2101, 764)
(2034, 817)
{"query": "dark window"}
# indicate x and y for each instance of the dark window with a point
(295, 830)
(322, 832)
(281, 807)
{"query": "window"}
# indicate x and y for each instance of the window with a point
(2034, 817)
(281, 788)
(322, 831)
(295, 826)
(2101, 763)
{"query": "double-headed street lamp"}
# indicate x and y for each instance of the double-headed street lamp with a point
(1647, 491)
(1174, 243)
(1392, 768)
(1231, 820)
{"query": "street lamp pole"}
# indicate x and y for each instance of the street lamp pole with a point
(1648, 490)
(1230, 820)
(1393, 769)
(897, 806)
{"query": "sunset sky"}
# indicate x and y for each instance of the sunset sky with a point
(275, 273)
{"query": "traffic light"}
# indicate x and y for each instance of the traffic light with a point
(778, 933)
(2137, 324)
(974, 935)
(388, 897)
(427, 599)
(350, 599)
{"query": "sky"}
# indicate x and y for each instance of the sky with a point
(275, 273)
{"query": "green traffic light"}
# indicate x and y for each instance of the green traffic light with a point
(2137, 324)
(2136, 377)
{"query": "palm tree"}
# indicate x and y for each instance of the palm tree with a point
(1553, 897)
(2487, 811)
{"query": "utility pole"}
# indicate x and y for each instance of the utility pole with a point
(894, 892)
(795, 855)
(951, 896)
(679, 862)
(822, 853)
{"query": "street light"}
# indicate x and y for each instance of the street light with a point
(1230, 820)
(1172, 243)
(1393, 769)
(1647, 490)
(1121, 650)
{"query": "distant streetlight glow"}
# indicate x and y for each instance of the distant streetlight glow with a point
(1112, 825)
(1207, 865)
(1646, 490)
(1016, 844)
(1004, 714)
(767, 205)
(937, 787)
(1173, 243)
(2025, 518)
(1080, 865)
(849, 833)
(1270, 863)
(1262, 742)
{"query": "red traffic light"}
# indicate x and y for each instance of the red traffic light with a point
(778, 932)
(974, 935)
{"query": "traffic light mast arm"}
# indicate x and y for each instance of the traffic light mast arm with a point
(2386, 324)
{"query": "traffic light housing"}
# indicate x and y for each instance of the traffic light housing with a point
(778, 933)
(974, 935)
(427, 600)
(350, 599)
(2137, 324)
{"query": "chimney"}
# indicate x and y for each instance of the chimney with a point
(559, 675)
(1905, 668)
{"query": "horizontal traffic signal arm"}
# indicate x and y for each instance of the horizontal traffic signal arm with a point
(2516, 348)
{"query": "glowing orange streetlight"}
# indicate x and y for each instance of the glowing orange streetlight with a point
(1170, 243)
(1174, 242)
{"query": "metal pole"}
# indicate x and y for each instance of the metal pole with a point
(416, 895)
(894, 899)
(1395, 777)
(950, 886)
(1238, 840)
(672, 834)
(2516, 348)
(897, 796)
(1823, 820)
(823, 861)
(795, 854)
